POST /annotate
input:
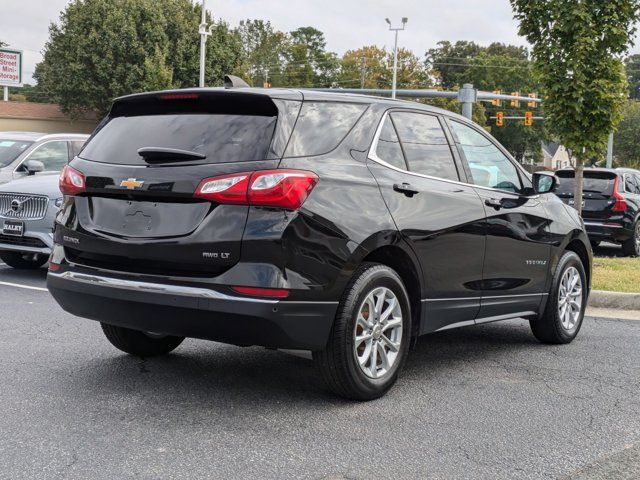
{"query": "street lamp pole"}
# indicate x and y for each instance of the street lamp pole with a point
(395, 53)
(204, 32)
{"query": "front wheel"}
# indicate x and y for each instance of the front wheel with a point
(24, 260)
(140, 344)
(370, 337)
(631, 247)
(566, 305)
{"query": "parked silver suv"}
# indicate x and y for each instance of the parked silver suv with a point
(27, 153)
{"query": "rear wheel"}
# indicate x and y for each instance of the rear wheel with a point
(566, 305)
(370, 336)
(631, 247)
(24, 260)
(141, 344)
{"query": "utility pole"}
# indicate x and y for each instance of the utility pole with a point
(363, 71)
(467, 96)
(6, 94)
(395, 52)
(204, 32)
(610, 151)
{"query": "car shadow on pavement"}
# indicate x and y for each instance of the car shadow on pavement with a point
(204, 373)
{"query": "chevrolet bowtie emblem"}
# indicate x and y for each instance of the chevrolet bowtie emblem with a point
(131, 183)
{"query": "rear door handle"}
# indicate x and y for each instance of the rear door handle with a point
(405, 188)
(493, 202)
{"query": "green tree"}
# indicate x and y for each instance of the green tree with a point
(632, 68)
(577, 49)
(309, 64)
(626, 146)
(264, 52)
(101, 49)
(495, 67)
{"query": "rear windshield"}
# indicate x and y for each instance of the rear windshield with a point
(593, 182)
(11, 149)
(221, 137)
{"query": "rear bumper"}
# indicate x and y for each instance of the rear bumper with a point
(194, 312)
(607, 231)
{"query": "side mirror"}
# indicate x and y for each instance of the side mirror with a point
(34, 166)
(544, 182)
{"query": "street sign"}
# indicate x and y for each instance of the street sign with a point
(10, 68)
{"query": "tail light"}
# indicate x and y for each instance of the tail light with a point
(270, 188)
(72, 182)
(621, 201)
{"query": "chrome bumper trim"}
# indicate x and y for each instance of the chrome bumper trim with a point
(159, 288)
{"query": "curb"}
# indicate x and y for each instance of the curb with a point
(615, 300)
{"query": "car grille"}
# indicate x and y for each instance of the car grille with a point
(23, 207)
(22, 241)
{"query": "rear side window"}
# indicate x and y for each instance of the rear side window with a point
(630, 183)
(222, 138)
(388, 148)
(321, 127)
(76, 146)
(424, 145)
(593, 183)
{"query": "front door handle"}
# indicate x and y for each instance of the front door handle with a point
(493, 202)
(405, 188)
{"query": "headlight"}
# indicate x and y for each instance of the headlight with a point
(58, 202)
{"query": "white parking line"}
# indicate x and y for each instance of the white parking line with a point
(27, 287)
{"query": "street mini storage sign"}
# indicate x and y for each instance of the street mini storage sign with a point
(10, 68)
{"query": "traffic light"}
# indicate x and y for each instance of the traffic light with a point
(515, 102)
(497, 102)
(528, 119)
(532, 104)
(499, 119)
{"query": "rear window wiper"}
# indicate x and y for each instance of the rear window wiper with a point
(167, 154)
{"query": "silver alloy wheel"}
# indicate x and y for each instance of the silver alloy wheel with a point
(637, 238)
(570, 298)
(378, 332)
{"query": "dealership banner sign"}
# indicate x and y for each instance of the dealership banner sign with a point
(10, 68)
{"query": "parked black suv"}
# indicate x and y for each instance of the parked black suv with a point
(341, 224)
(610, 206)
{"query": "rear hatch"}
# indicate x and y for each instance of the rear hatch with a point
(142, 167)
(597, 192)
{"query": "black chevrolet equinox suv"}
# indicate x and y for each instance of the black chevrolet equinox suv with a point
(339, 224)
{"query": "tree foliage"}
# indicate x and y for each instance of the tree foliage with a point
(101, 49)
(577, 50)
(626, 146)
(632, 69)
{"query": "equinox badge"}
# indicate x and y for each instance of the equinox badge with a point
(131, 183)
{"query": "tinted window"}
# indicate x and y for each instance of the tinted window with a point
(425, 145)
(76, 146)
(222, 138)
(388, 148)
(54, 155)
(489, 166)
(638, 182)
(11, 149)
(321, 126)
(592, 182)
(630, 183)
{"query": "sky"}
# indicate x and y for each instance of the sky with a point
(346, 24)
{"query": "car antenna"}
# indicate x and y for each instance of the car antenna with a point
(231, 81)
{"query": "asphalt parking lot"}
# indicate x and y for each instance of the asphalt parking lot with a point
(481, 402)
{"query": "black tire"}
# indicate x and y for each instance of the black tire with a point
(138, 343)
(549, 328)
(24, 260)
(631, 248)
(337, 363)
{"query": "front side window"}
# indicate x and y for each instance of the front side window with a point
(489, 166)
(425, 145)
(388, 148)
(53, 155)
